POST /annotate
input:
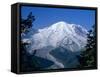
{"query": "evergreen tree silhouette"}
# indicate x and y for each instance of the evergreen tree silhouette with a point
(27, 63)
(88, 57)
(27, 23)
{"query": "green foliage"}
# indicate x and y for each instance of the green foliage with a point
(27, 60)
(88, 56)
(27, 23)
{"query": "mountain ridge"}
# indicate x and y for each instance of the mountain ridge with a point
(58, 33)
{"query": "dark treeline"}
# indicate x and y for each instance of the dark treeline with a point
(88, 56)
(27, 64)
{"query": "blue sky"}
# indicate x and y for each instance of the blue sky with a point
(48, 16)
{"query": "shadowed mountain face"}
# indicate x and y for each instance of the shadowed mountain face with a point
(35, 63)
(66, 57)
(58, 45)
(42, 63)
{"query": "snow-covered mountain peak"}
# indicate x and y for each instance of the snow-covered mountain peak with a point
(60, 24)
(56, 26)
(59, 27)
(70, 36)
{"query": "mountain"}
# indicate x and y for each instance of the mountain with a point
(60, 39)
(70, 36)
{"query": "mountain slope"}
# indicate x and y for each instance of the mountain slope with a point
(70, 36)
(58, 43)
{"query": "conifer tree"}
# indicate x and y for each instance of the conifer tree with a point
(26, 24)
(26, 58)
(88, 56)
